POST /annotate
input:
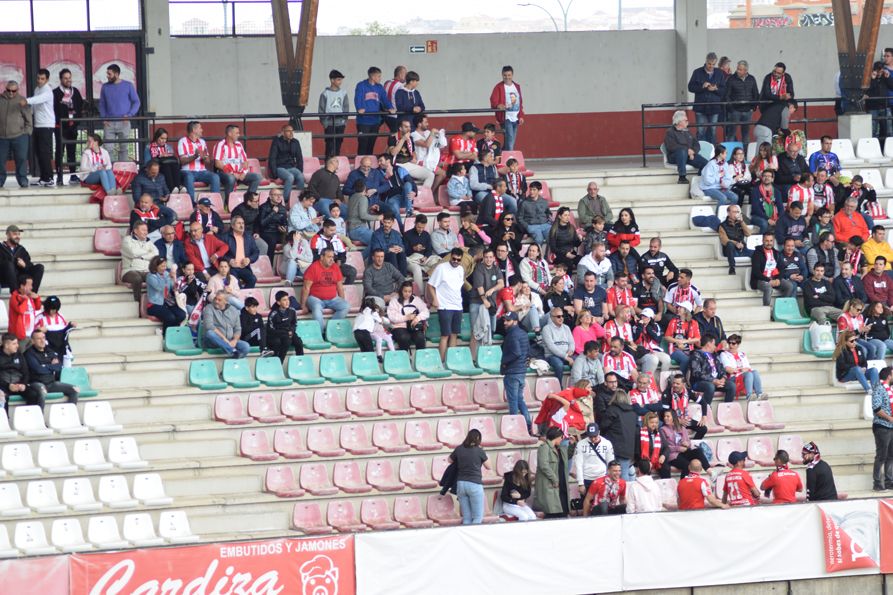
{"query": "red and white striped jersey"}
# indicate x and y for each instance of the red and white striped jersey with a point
(802, 194)
(232, 155)
(622, 365)
(390, 88)
(189, 147)
(621, 297)
(649, 397)
(624, 331)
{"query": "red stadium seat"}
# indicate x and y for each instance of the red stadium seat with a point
(425, 399)
(128, 166)
(546, 385)
(117, 207)
(374, 513)
(424, 202)
(361, 403)
(307, 517)
(295, 404)
(181, 204)
(386, 436)
(344, 168)
(414, 473)
(355, 440)
(263, 270)
(107, 240)
(506, 155)
(343, 516)
(725, 447)
(280, 480)
(450, 432)
(355, 259)
(315, 479)
(392, 399)
(439, 465)
(349, 479)
(441, 510)
(262, 407)
(487, 428)
(255, 445)
(455, 396)
(408, 512)
(505, 461)
(761, 414)
(730, 416)
(514, 429)
(254, 167)
(420, 436)
(694, 411)
(321, 440)
(761, 450)
(531, 460)
(289, 443)
(311, 165)
(380, 475)
(230, 410)
(490, 477)
(668, 493)
(488, 394)
(258, 294)
(443, 201)
(793, 444)
(327, 402)
(236, 197)
(354, 296)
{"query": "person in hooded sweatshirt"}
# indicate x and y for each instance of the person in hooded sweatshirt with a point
(643, 495)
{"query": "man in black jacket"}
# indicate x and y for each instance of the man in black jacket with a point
(819, 297)
(273, 221)
(848, 286)
(741, 87)
(281, 325)
(819, 477)
(14, 375)
(67, 104)
(778, 85)
(708, 85)
(791, 166)
(764, 272)
(664, 269)
(15, 261)
(707, 374)
(709, 323)
(45, 366)
(286, 161)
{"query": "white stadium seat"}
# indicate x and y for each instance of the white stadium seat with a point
(4, 317)
(102, 531)
(873, 178)
(114, 493)
(139, 530)
(28, 421)
(64, 419)
(77, 494)
(6, 549)
(173, 526)
(752, 151)
(67, 535)
(754, 241)
(88, 455)
(125, 454)
(812, 146)
(41, 496)
(843, 148)
(5, 430)
(99, 417)
(31, 538)
(888, 147)
(11, 501)
(700, 211)
(148, 489)
(694, 189)
(869, 149)
(17, 460)
(52, 456)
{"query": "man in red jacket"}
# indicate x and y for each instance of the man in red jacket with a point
(507, 96)
(879, 285)
(204, 250)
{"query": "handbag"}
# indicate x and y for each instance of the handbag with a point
(867, 409)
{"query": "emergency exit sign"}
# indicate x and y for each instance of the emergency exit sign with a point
(430, 47)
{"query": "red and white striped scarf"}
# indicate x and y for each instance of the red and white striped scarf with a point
(778, 86)
(679, 403)
(624, 331)
(650, 446)
(498, 205)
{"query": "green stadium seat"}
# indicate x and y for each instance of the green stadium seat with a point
(237, 374)
(459, 361)
(397, 364)
(433, 332)
(79, 378)
(340, 333)
(311, 335)
(269, 371)
(302, 370)
(365, 365)
(807, 347)
(333, 368)
(203, 374)
(465, 328)
(787, 310)
(489, 358)
(178, 340)
(427, 361)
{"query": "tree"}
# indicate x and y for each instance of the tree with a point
(564, 11)
(376, 28)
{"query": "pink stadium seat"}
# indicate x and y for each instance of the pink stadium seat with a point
(424, 202)
(760, 450)
(668, 493)
(380, 475)
(295, 404)
(694, 411)
(725, 447)
(532, 404)
(450, 432)
(392, 399)
(442, 510)
(289, 443)
(414, 473)
(117, 207)
(713, 460)
(343, 516)
(439, 464)
(354, 296)
(321, 440)
(487, 427)
(489, 518)
(311, 165)
(514, 429)
(307, 517)
(280, 480)
(546, 385)
(443, 202)
(408, 512)
(361, 403)
(349, 478)
(506, 459)
(761, 414)
(328, 403)
(730, 416)
(262, 407)
(355, 440)
(216, 203)
(424, 398)
(531, 460)
(255, 445)
(263, 270)
(181, 204)
(375, 513)
(344, 168)
(719, 485)
(490, 477)
(355, 259)
(386, 436)
(455, 396)
(546, 192)
(506, 155)
(254, 167)
(793, 444)
(289, 290)
(107, 240)
(230, 410)
(315, 479)
(258, 294)
(488, 394)
(236, 197)
(420, 436)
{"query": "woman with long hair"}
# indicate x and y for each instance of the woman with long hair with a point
(535, 270)
(226, 282)
(587, 329)
(740, 174)
(852, 320)
(563, 240)
(408, 314)
(676, 440)
(96, 165)
(625, 228)
(763, 160)
(163, 153)
(515, 490)
(297, 256)
(508, 231)
(557, 297)
(716, 179)
(851, 363)
(551, 483)
(878, 324)
(468, 457)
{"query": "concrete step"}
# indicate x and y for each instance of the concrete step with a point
(131, 378)
(117, 344)
(23, 211)
(123, 308)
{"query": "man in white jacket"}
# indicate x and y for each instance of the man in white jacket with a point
(44, 125)
(591, 457)
(643, 495)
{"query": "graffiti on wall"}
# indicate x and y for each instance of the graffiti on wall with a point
(771, 22)
(817, 19)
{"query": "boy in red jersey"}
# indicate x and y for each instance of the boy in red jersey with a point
(739, 489)
(783, 483)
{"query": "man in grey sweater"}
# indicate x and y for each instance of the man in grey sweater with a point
(588, 366)
(222, 327)
(334, 100)
(558, 343)
(381, 280)
(534, 215)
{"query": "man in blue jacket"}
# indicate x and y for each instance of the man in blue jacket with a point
(370, 96)
(515, 350)
(708, 84)
(242, 252)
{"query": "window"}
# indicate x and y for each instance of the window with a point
(227, 17)
(22, 16)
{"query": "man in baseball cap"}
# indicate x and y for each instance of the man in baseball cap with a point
(819, 477)
(739, 488)
(591, 457)
(16, 262)
(207, 216)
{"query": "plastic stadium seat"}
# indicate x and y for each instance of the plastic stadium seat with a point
(216, 203)
(465, 328)
(355, 440)
(505, 461)
(311, 335)
(311, 165)
(328, 403)
(117, 207)
(375, 513)
(427, 361)
(408, 512)
(255, 445)
(257, 293)
(269, 303)
(52, 456)
(173, 526)
(262, 407)
(11, 501)
(807, 345)
(6, 549)
(64, 419)
(694, 411)
(5, 430)
(843, 147)
(424, 202)
(125, 454)
(365, 366)
(138, 529)
(288, 443)
(348, 478)
(178, 340)
(490, 478)
(307, 517)
(339, 332)
(387, 436)
(148, 489)
(280, 480)
(793, 444)
(761, 450)
(414, 473)
(424, 398)
(488, 395)
(450, 432)
(668, 493)
(761, 414)
(236, 198)
(114, 493)
(269, 372)
(442, 510)
(28, 421)
(31, 538)
(514, 429)
(487, 427)
(230, 410)
(296, 405)
(700, 211)
(322, 441)
(725, 446)
(344, 168)
(107, 240)
(420, 436)
(392, 399)
(397, 365)
(455, 396)
(433, 333)
(439, 466)
(787, 310)
(181, 204)
(302, 370)
(77, 494)
(355, 259)
(360, 402)
(67, 536)
(343, 516)
(730, 416)
(506, 155)
(263, 270)
(203, 374)
(489, 358)
(354, 296)
(333, 367)
(87, 454)
(380, 475)
(17, 460)
(314, 478)
(545, 386)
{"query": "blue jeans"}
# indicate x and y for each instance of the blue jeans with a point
(316, 305)
(863, 376)
(762, 224)
(510, 130)
(681, 359)
(471, 502)
(627, 470)
(874, 348)
(557, 365)
(241, 346)
(290, 176)
(245, 276)
(189, 178)
(743, 119)
(19, 148)
(292, 270)
(889, 345)
(707, 133)
(680, 159)
(539, 232)
(228, 181)
(732, 252)
(105, 177)
(722, 197)
(361, 234)
(513, 386)
(752, 383)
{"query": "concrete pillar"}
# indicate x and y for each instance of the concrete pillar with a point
(854, 127)
(158, 60)
(691, 42)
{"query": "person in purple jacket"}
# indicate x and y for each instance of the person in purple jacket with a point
(370, 97)
(117, 99)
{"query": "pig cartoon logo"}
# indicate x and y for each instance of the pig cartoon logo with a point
(319, 576)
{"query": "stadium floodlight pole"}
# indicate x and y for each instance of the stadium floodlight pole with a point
(295, 61)
(855, 61)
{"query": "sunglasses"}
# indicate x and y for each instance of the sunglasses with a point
(509, 219)
(455, 259)
(559, 316)
(851, 342)
(733, 342)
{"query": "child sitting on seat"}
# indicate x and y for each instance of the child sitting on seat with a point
(51, 321)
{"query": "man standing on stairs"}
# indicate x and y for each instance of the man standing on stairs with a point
(15, 261)
(818, 296)
(882, 428)
(513, 367)
(15, 132)
(68, 105)
(44, 124)
(765, 275)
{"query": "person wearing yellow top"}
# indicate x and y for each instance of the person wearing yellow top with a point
(877, 245)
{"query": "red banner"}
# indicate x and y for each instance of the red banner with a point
(885, 512)
(47, 576)
(318, 566)
(850, 537)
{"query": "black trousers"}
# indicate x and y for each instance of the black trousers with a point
(364, 340)
(280, 343)
(682, 462)
(69, 390)
(333, 145)
(10, 273)
(405, 338)
(34, 394)
(366, 141)
(43, 147)
(170, 169)
(271, 239)
(69, 133)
